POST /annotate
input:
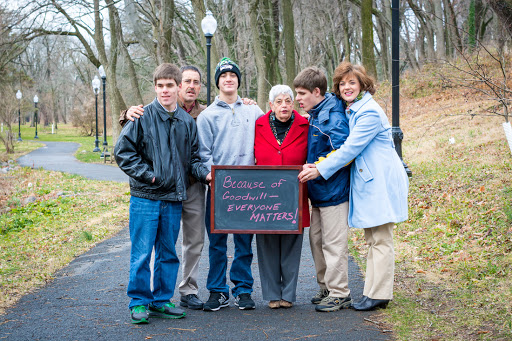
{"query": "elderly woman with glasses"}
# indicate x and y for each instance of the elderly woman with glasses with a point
(281, 139)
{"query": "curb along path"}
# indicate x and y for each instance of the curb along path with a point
(87, 299)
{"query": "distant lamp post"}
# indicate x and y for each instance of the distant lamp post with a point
(208, 25)
(36, 100)
(18, 96)
(96, 89)
(103, 76)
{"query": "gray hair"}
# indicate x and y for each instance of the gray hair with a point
(279, 90)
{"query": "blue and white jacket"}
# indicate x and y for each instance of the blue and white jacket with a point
(379, 183)
(328, 130)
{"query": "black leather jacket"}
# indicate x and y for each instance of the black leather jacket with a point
(158, 146)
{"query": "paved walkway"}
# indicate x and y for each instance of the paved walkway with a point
(58, 156)
(87, 300)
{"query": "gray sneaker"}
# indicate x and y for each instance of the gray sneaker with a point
(320, 295)
(139, 314)
(167, 311)
(334, 303)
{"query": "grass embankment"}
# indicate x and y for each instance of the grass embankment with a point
(69, 215)
(453, 256)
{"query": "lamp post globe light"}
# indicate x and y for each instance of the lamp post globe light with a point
(36, 100)
(18, 96)
(208, 25)
(103, 76)
(96, 89)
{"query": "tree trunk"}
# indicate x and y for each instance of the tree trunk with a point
(471, 25)
(133, 19)
(440, 30)
(132, 75)
(451, 21)
(347, 47)
(367, 29)
(258, 52)
(289, 42)
(503, 9)
(164, 51)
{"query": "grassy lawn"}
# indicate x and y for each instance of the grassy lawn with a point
(65, 133)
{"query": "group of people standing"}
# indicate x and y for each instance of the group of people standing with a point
(353, 176)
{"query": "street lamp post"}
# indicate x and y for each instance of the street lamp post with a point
(396, 132)
(36, 100)
(18, 96)
(103, 76)
(96, 89)
(208, 25)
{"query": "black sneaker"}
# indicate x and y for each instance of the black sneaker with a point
(191, 301)
(167, 311)
(245, 302)
(334, 303)
(320, 295)
(139, 314)
(216, 301)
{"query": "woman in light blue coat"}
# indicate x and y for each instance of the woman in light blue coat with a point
(379, 184)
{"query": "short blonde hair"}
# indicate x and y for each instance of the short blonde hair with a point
(358, 71)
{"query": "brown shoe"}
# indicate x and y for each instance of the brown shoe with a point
(274, 304)
(285, 304)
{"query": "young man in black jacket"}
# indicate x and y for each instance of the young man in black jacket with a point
(157, 152)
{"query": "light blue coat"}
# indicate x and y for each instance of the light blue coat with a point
(378, 182)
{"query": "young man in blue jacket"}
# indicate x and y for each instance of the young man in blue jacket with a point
(158, 152)
(328, 234)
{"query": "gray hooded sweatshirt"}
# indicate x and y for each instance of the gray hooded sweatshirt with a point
(226, 136)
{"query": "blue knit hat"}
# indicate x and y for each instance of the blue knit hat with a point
(226, 65)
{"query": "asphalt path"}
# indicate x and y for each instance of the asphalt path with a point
(87, 299)
(58, 156)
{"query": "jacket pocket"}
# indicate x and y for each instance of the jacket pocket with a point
(362, 169)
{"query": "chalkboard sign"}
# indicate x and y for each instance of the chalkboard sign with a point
(256, 199)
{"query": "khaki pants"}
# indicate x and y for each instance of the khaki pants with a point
(192, 219)
(380, 262)
(328, 236)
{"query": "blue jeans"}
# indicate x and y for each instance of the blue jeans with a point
(240, 272)
(153, 223)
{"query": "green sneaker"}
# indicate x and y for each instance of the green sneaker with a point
(334, 303)
(139, 314)
(320, 295)
(167, 311)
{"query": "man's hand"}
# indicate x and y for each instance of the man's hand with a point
(309, 172)
(135, 112)
(248, 101)
(209, 177)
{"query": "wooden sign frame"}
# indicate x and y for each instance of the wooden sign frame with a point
(270, 230)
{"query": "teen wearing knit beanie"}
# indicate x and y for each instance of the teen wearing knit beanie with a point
(226, 65)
